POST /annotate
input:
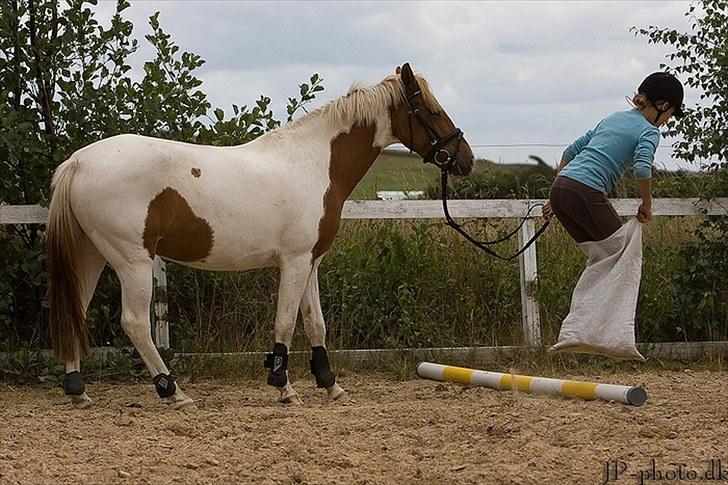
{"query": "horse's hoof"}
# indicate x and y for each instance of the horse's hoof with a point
(342, 398)
(180, 401)
(290, 396)
(292, 400)
(184, 405)
(81, 402)
(336, 393)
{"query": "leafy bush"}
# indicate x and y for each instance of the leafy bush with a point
(699, 59)
(65, 84)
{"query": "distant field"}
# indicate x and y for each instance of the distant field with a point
(395, 170)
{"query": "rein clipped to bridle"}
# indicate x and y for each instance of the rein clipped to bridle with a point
(442, 159)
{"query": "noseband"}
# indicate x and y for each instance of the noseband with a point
(439, 156)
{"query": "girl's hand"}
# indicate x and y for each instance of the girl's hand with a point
(546, 210)
(644, 213)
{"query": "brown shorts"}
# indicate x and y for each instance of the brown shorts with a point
(583, 211)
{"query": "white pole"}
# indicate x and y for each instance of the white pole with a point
(529, 275)
(161, 327)
(636, 396)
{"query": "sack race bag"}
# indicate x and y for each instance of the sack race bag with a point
(603, 306)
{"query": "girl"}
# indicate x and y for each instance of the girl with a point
(594, 163)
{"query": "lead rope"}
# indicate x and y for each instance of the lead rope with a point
(483, 245)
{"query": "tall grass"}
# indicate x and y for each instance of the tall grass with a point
(393, 284)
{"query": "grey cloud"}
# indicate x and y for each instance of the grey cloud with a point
(516, 71)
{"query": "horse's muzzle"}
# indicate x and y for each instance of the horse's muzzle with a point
(463, 165)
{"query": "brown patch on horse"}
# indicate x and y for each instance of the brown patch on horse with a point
(352, 154)
(196, 172)
(174, 231)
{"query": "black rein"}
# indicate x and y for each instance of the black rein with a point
(483, 245)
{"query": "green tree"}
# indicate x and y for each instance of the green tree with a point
(64, 83)
(700, 59)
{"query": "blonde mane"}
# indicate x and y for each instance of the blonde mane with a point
(362, 104)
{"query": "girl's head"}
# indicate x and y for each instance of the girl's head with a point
(658, 97)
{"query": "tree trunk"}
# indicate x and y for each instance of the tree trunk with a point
(44, 92)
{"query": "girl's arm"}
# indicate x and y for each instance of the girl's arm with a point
(643, 157)
(644, 187)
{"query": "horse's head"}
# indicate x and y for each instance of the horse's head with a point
(424, 127)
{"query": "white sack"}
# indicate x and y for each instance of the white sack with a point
(603, 306)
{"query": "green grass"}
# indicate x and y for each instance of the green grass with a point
(397, 170)
(394, 170)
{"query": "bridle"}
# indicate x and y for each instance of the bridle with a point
(439, 156)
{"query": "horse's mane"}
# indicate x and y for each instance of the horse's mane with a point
(364, 103)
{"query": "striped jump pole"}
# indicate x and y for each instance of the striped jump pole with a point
(636, 396)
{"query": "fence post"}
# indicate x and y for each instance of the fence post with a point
(161, 324)
(529, 275)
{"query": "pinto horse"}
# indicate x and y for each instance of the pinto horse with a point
(275, 201)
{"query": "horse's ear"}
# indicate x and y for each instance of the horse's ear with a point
(398, 70)
(408, 79)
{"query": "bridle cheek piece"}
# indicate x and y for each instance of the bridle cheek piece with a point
(439, 156)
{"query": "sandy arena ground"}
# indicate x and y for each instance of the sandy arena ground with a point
(389, 431)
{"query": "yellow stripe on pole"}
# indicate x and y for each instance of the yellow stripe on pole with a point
(514, 382)
(457, 374)
(584, 390)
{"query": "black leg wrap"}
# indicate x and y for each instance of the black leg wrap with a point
(277, 362)
(73, 384)
(320, 367)
(164, 384)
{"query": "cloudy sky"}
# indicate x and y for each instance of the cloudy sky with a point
(508, 73)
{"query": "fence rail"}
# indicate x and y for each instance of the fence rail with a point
(432, 209)
(428, 209)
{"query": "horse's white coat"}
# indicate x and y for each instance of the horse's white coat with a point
(263, 199)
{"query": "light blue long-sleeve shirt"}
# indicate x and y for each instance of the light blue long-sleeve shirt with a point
(621, 141)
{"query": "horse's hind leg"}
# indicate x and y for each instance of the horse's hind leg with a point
(294, 277)
(136, 296)
(313, 322)
(90, 265)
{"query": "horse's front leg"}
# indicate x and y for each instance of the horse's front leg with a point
(294, 277)
(313, 321)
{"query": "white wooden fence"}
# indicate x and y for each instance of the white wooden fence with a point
(427, 209)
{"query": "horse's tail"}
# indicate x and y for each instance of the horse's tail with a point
(67, 315)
